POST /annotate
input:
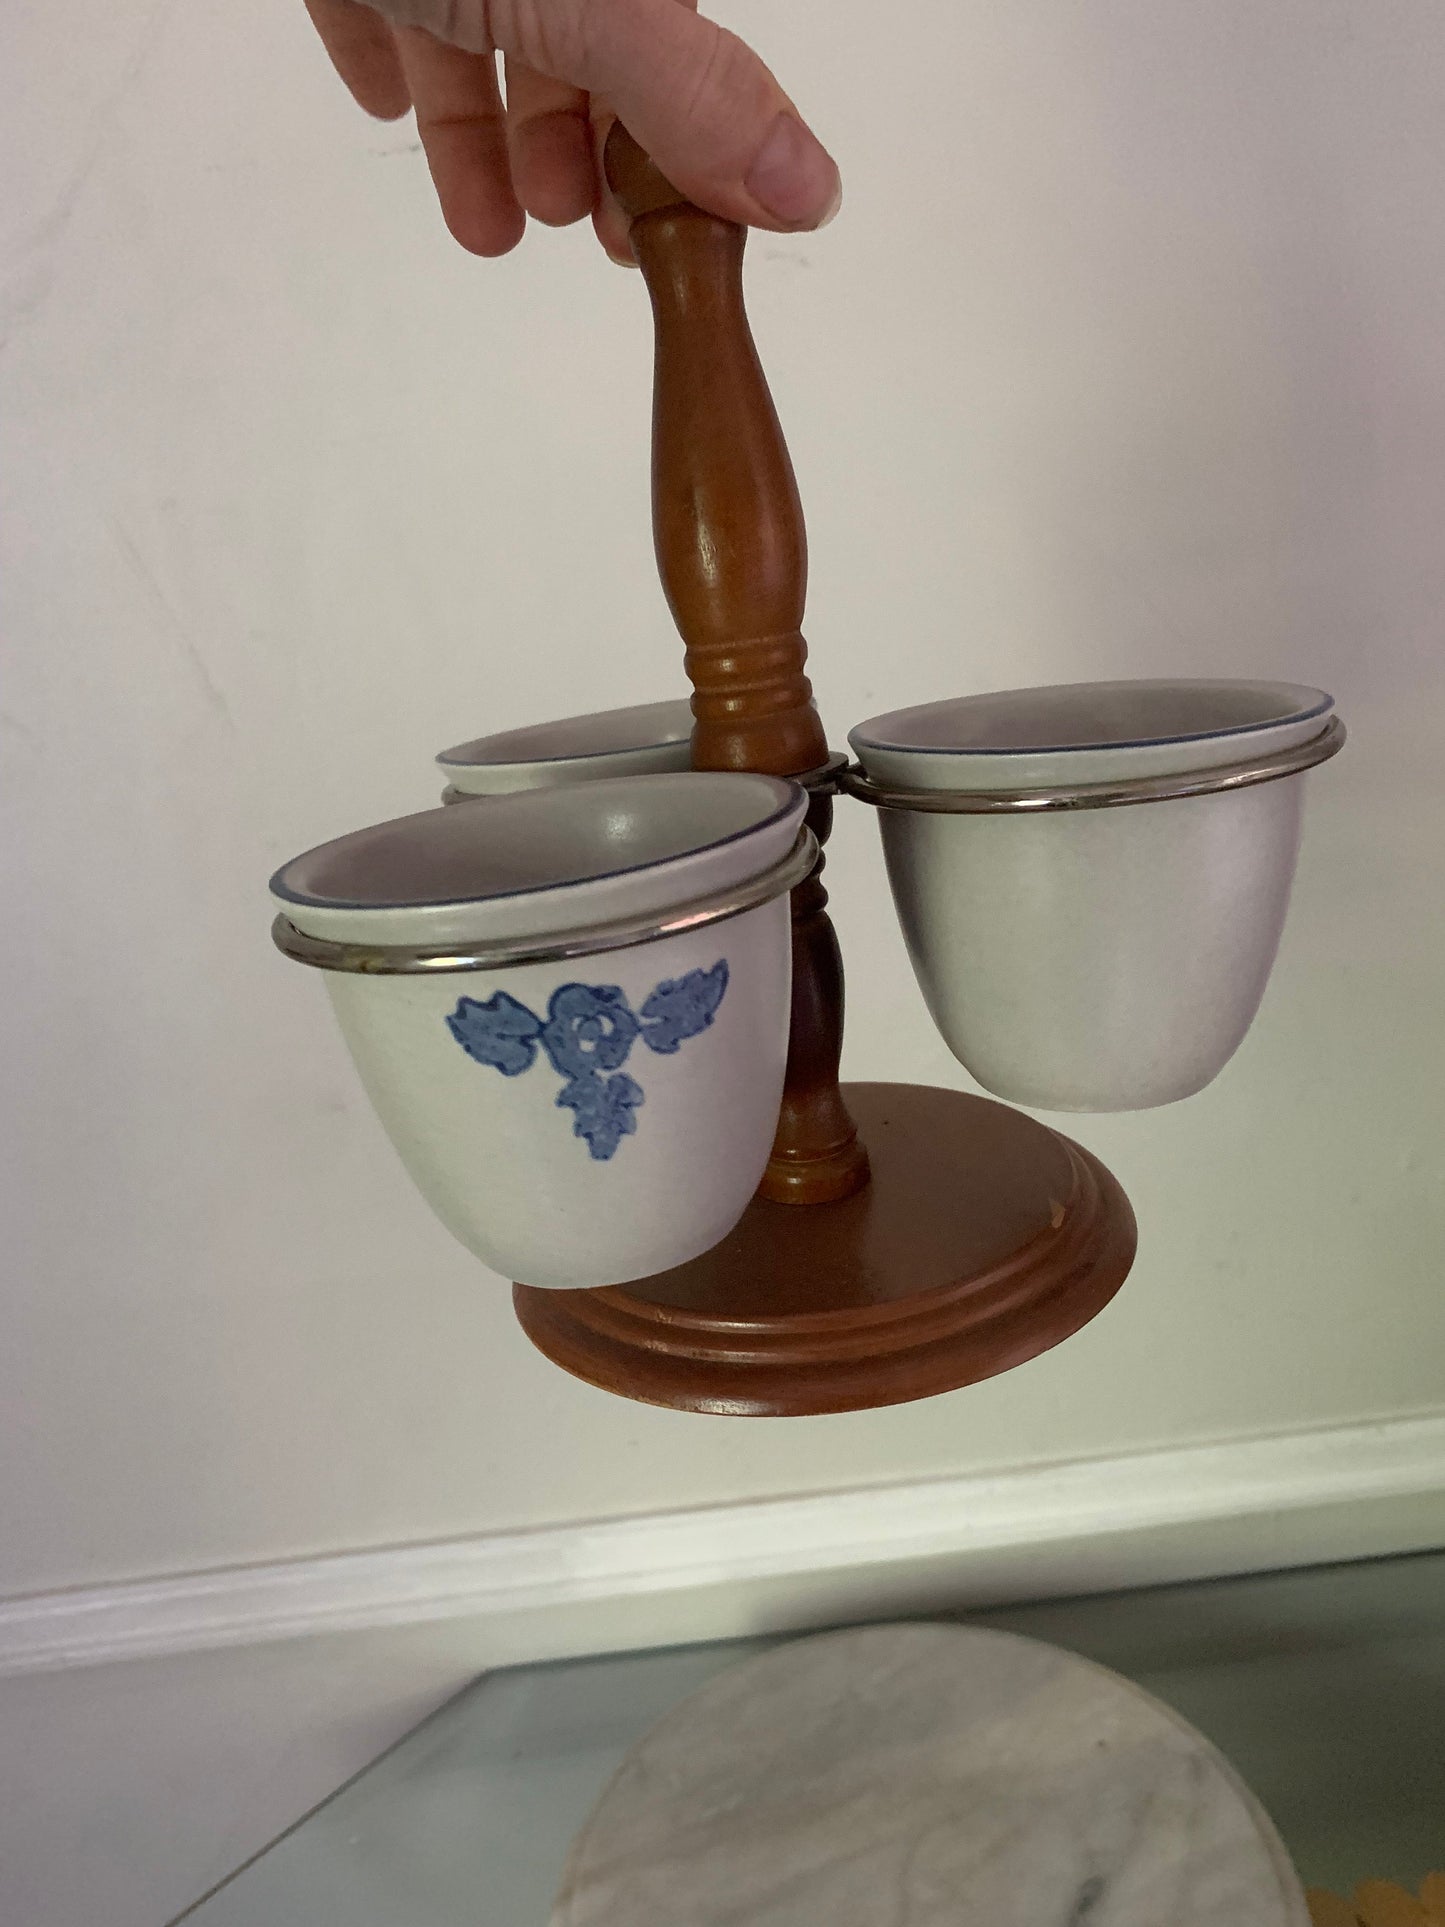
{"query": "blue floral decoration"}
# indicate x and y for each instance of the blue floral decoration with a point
(587, 1035)
(589, 1028)
(500, 1032)
(603, 1110)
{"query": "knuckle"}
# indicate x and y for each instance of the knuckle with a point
(550, 39)
(721, 77)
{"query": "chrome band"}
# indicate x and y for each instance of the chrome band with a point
(406, 960)
(1100, 796)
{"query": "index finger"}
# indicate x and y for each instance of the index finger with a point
(363, 52)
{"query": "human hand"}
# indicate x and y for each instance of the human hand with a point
(701, 102)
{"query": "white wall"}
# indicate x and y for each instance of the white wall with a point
(1125, 357)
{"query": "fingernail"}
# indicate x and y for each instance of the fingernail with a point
(793, 176)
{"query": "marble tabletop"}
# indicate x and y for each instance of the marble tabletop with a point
(916, 1775)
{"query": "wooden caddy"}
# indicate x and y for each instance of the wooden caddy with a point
(904, 1240)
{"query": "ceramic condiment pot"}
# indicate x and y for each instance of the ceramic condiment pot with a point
(1095, 958)
(570, 1009)
(645, 739)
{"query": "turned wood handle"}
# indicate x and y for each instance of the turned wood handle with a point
(733, 559)
(727, 523)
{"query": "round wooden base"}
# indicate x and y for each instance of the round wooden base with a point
(984, 1239)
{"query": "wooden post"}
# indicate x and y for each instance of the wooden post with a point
(983, 1237)
(732, 555)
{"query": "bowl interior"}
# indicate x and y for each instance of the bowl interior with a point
(1085, 716)
(607, 732)
(534, 840)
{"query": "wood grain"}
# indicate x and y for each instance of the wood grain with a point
(1381, 1903)
(984, 1239)
(818, 1156)
(733, 558)
(727, 522)
(1328, 1910)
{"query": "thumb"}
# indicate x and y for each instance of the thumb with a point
(701, 102)
(707, 110)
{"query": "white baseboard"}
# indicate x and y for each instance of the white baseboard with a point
(718, 1572)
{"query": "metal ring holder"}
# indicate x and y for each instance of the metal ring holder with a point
(1099, 796)
(827, 778)
(410, 960)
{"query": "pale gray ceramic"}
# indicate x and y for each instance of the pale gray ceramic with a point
(1103, 959)
(644, 739)
(586, 1114)
(928, 1776)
